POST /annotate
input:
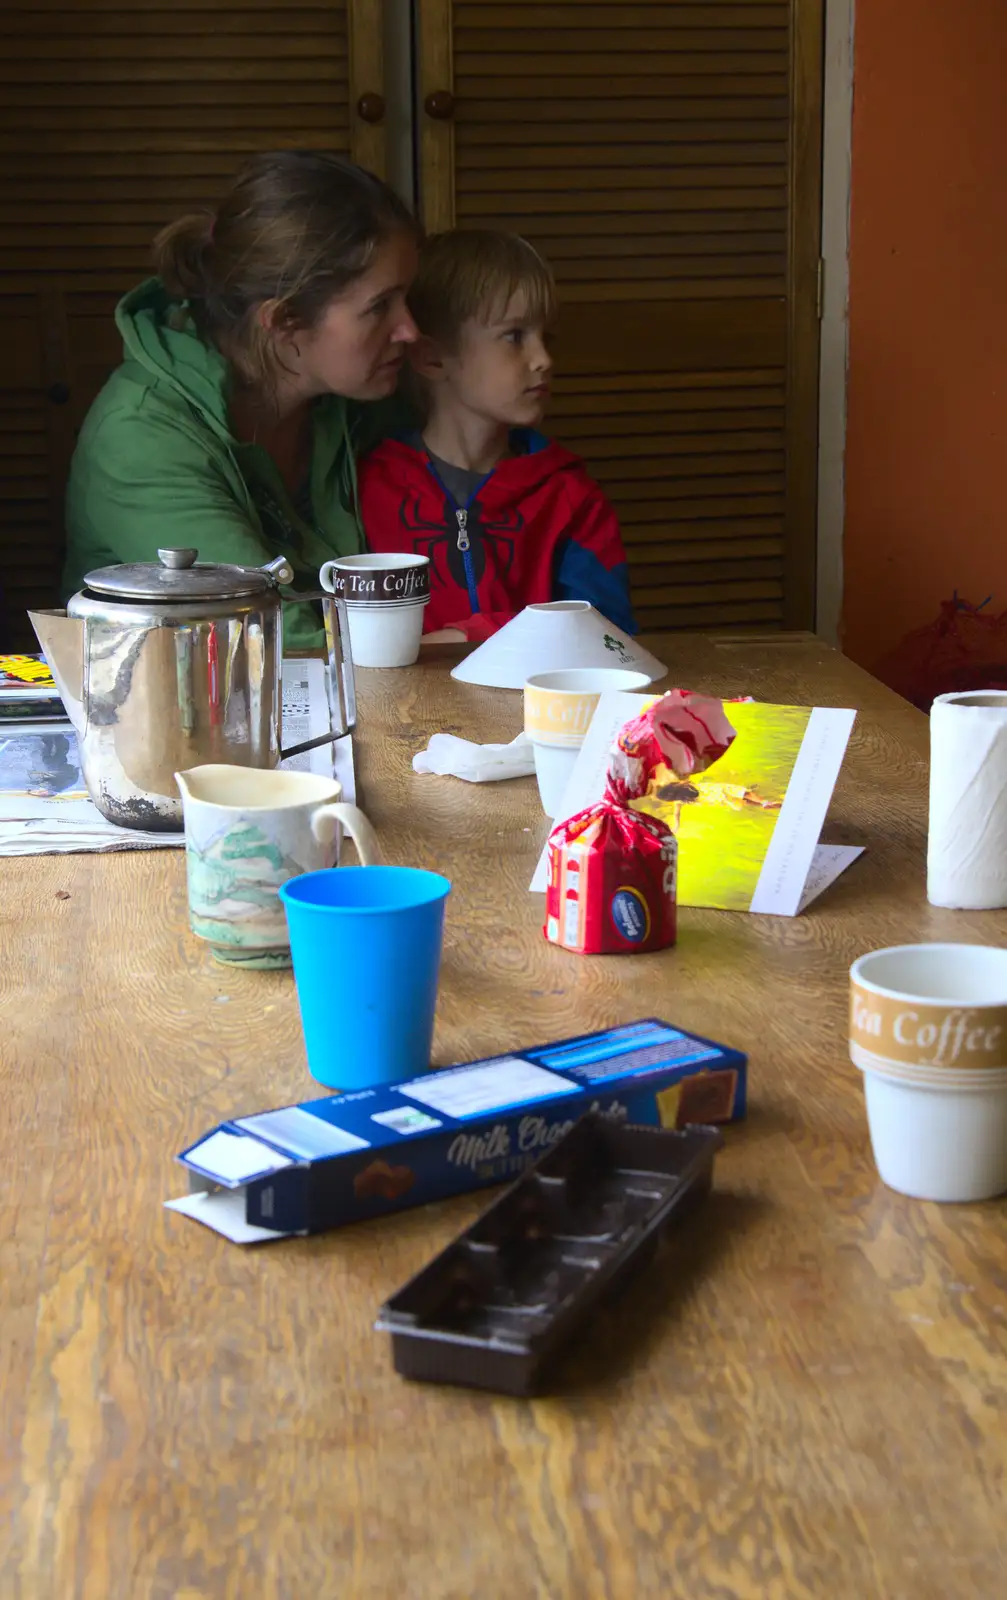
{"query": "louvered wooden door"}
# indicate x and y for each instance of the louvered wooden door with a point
(665, 156)
(115, 116)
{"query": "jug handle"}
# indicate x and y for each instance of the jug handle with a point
(328, 818)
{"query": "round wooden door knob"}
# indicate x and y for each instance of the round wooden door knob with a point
(440, 105)
(371, 107)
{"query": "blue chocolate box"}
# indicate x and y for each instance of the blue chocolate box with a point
(348, 1157)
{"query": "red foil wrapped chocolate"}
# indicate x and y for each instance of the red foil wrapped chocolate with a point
(611, 882)
(686, 732)
(612, 870)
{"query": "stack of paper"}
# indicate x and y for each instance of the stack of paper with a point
(44, 804)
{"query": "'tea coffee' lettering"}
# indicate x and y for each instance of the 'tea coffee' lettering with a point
(961, 1032)
(956, 1033)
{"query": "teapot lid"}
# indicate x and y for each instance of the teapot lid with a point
(178, 575)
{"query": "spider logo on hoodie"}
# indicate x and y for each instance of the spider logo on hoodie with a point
(439, 540)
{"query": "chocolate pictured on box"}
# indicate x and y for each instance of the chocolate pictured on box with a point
(494, 1308)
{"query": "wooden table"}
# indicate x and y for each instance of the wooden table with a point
(805, 1396)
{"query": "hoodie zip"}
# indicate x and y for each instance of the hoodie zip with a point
(463, 541)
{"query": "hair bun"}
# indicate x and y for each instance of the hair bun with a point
(180, 255)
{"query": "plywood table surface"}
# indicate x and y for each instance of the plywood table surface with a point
(805, 1395)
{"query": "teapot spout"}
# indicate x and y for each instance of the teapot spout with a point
(62, 641)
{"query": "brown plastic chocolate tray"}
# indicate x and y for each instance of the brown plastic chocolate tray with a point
(494, 1308)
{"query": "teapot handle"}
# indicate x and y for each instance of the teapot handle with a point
(341, 684)
(311, 744)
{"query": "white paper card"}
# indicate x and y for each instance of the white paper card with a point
(827, 863)
(791, 860)
(780, 888)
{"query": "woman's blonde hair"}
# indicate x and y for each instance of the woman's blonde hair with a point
(472, 275)
(296, 227)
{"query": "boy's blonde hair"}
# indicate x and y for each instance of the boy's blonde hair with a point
(471, 275)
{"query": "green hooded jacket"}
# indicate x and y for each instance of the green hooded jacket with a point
(157, 465)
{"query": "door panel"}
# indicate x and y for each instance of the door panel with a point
(114, 119)
(665, 158)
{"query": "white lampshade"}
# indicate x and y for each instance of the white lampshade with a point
(551, 638)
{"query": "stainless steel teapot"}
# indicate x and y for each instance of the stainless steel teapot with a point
(171, 664)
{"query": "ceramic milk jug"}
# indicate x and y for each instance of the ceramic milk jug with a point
(246, 833)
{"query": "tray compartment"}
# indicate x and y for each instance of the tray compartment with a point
(494, 1307)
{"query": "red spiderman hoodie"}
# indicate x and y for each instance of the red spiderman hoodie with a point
(536, 528)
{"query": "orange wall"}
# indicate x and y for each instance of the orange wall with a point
(926, 460)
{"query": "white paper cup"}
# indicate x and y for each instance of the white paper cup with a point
(558, 706)
(944, 1141)
(928, 1029)
(930, 1005)
(553, 766)
(386, 595)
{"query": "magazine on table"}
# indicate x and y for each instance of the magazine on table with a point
(44, 803)
(28, 694)
(26, 677)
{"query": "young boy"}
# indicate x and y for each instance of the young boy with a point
(507, 517)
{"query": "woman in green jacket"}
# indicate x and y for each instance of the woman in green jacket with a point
(255, 364)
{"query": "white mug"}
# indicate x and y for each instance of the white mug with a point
(386, 595)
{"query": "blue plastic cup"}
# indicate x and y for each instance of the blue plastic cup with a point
(366, 947)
